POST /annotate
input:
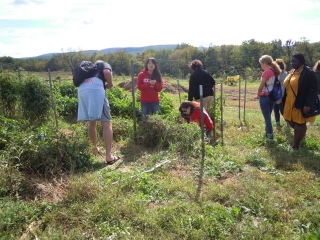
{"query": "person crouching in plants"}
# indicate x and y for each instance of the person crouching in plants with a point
(190, 111)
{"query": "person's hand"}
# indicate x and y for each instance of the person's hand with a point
(278, 102)
(152, 83)
(256, 97)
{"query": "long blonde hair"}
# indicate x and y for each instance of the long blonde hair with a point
(316, 66)
(270, 62)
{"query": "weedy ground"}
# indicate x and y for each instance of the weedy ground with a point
(236, 186)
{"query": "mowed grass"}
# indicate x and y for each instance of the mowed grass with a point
(241, 188)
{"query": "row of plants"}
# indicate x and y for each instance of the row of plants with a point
(30, 143)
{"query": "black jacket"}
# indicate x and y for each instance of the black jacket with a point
(197, 78)
(307, 89)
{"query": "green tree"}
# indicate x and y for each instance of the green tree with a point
(251, 51)
(120, 62)
(307, 50)
(72, 58)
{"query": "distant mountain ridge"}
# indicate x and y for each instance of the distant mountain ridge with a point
(131, 50)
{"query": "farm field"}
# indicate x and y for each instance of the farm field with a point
(236, 186)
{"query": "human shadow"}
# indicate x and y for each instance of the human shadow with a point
(287, 158)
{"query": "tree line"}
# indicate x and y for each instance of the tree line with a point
(217, 60)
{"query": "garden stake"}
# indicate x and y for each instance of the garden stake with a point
(52, 100)
(133, 103)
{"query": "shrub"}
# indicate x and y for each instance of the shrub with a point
(67, 89)
(162, 132)
(66, 99)
(122, 128)
(120, 103)
(35, 100)
(66, 106)
(44, 151)
(8, 93)
(166, 104)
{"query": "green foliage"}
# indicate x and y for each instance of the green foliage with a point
(160, 132)
(35, 100)
(255, 159)
(243, 189)
(43, 150)
(67, 89)
(223, 164)
(166, 104)
(66, 99)
(66, 106)
(120, 102)
(122, 128)
(215, 111)
(8, 93)
(15, 214)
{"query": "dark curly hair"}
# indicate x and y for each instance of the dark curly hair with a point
(195, 64)
(188, 104)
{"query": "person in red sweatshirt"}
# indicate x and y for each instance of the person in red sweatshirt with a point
(150, 84)
(190, 111)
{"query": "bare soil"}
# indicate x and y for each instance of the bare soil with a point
(231, 93)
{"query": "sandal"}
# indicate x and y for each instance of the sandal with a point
(114, 159)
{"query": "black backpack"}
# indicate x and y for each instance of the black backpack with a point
(82, 71)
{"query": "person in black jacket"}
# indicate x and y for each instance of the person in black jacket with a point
(199, 77)
(301, 89)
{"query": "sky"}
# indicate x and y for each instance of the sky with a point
(31, 28)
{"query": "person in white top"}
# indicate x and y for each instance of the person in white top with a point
(271, 69)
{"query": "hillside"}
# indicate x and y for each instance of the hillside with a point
(131, 50)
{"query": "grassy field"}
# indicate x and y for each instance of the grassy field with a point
(239, 187)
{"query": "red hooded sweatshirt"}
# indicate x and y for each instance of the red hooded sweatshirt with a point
(196, 117)
(148, 94)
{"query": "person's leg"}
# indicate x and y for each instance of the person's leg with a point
(144, 111)
(92, 132)
(154, 107)
(107, 133)
(299, 133)
(207, 102)
(108, 137)
(266, 108)
(276, 110)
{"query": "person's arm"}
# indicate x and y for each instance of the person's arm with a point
(261, 86)
(158, 86)
(208, 123)
(108, 76)
(312, 89)
(141, 84)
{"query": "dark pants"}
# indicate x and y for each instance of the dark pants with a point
(278, 108)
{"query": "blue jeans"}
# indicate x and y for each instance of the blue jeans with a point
(266, 107)
(149, 109)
